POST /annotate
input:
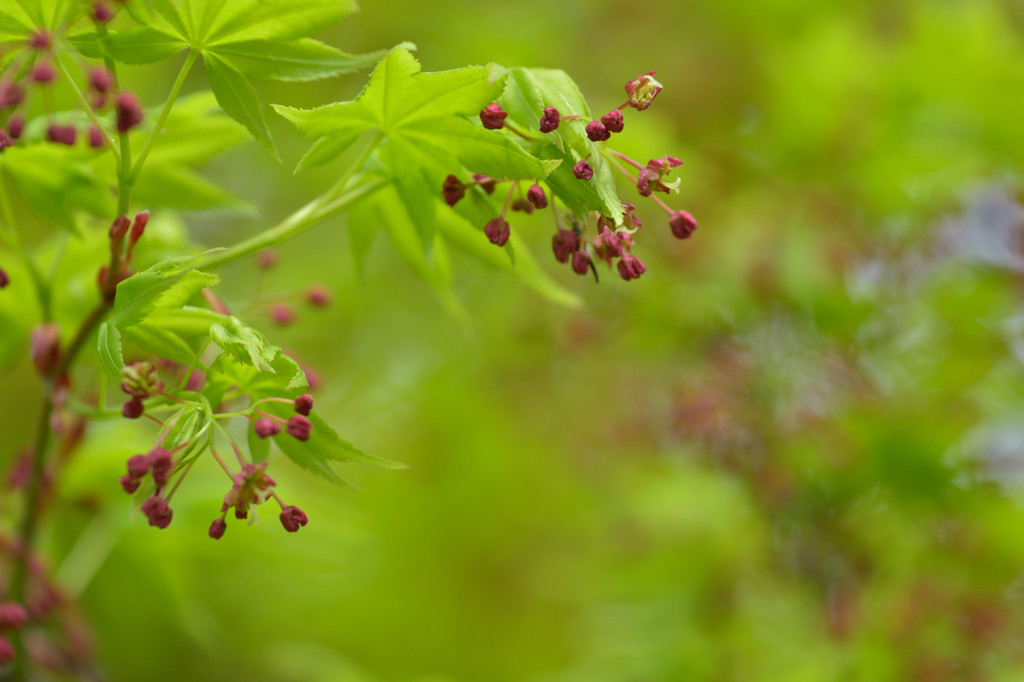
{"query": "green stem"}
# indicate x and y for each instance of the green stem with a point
(175, 90)
(294, 224)
(88, 109)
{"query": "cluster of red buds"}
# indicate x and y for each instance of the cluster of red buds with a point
(282, 310)
(33, 69)
(613, 238)
(251, 485)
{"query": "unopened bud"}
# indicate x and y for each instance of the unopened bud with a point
(100, 80)
(118, 229)
(133, 409)
(549, 120)
(129, 484)
(11, 94)
(129, 112)
(537, 197)
(15, 126)
(282, 314)
(161, 462)
(43, 73)
(299, 427)
(265, 428)
(486, 183)
(96, 139)
(493, 117)
(452, 190)
(139, 226)
(62, 134)
(613, 121)
(39, 39)
(4, 278)
(266, 259)
(318, 295)
(597, 132)
(157, 511)
(292, 518)
(564, 244)
(45, 344)
(304, 404)
(101, 12)
(580, 262)
(12, 616)
(497, 231)
(217, 529)
(631, 267)
(683, 224)
(7, 652)
(583, 171)
(138, 465)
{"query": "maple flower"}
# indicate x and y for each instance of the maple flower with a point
(292, 518)
(549, 120)
(493, 116)
(583, 171)
(683, 224)
(643, 90)
(497, 231)
(564, 244)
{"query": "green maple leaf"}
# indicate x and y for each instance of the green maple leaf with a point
(423, 132)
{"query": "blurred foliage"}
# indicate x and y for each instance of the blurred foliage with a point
(792, 451)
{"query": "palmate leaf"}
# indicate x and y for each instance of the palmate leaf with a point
(239, 40)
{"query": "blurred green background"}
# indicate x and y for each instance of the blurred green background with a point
(794, 450)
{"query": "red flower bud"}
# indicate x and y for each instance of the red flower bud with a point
(100, 80)
(129, 484)
(304, 404)
(139, 226)
(486, 183)
(118, 229)
(292, 518)
(101, 12)
(520, 204)
(4, 278)
(161, 462)
(564, 244)
(597, 132)
(580, 262)
(43, 73)
(129, 113)
(631, 267)
(138, 465)
(613, 121)
(266, 259)
(12, 616)
(537, 197)
(11, 94)
(683, 224)
(39, 39)
(96, 140)
(7, 652)
(497, 231)
(299, 427)
(133, 409)
(607, 244)
(493, 117)
(265, 428)
(549, 120)
(282, 314)
(62, 134)
(217, 529)
(452, 190)
(45, 344)
(583, 171)
(15, 126)
(318, 295)
(157, 511)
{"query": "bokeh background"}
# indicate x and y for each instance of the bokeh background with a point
(793, 450)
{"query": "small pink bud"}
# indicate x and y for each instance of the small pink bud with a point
(497, 231)
(15, 126)
(62, 134)
(597, 132)
(5, 141)
(292, 518)
(520, 204)
(43, 73)
(11, 94)
(319, 296)
(631, 267)
(580, 262)
(537, 197)
(683, 224)
(101, 12)
(266, 259)
(549, 120)
(241, 512)
(129, 113)
(265, 428)
(643, 183)
(118, 229)
(4, 279)
(217, 529)
(613, 121)
(299, 427)
(129, 484)
(304, 404)
(643, 90)
(486, 183)
(138, 465)
(133, 409)
(564, 244)
(583, 171)
(100, 80)
(452, 190)
(162, 463)
(39, 39)
(608, 244)
(139, 226)
(157, 511)
(282, 314)
(12, 616)
(7, 652)
(96, 140)
(45, 345)
(493, 117)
